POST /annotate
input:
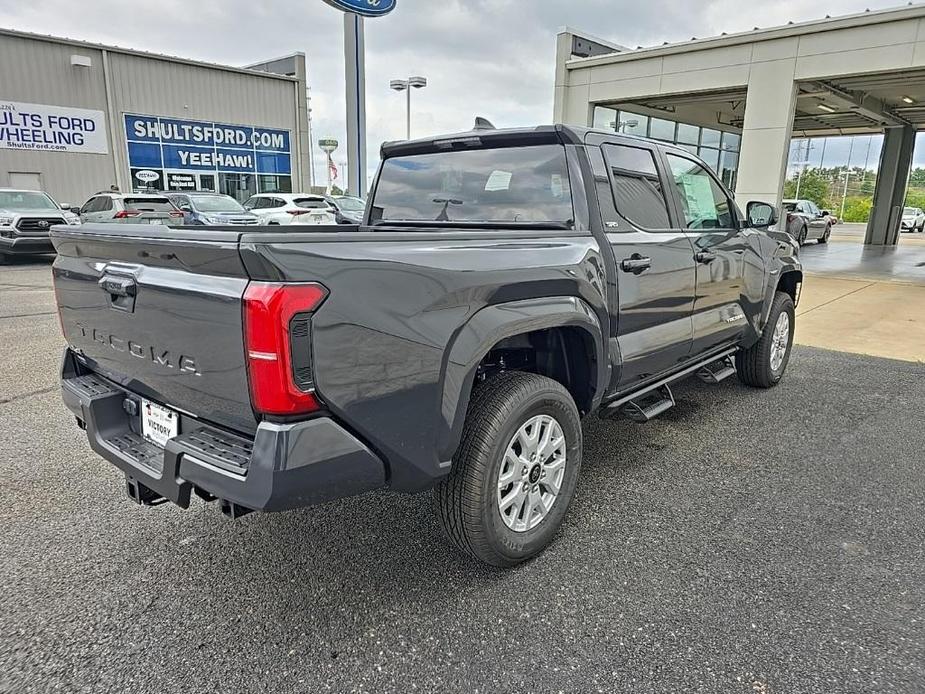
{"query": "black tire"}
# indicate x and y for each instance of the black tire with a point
(801, 239)
(825, 236)
(753, 365)
(4, 259)
(466, 501)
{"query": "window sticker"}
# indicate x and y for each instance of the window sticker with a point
(498, 180)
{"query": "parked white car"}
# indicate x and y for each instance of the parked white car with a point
(913, 219)
(130, 208)
(287, 208)
(25, 218)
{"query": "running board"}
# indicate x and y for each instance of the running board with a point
(654, 395)
(649, 406)
(717, 371)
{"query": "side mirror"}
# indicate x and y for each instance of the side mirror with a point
(186, 208)
(825, 213)
(75, 210)
(65, 206)
(760, 215)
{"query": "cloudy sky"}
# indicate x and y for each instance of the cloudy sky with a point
(481, 57)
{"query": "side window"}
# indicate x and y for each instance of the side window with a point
(705, 203)
(252, 203)
(276, 202)
(104, 204)
(637, 190)
(89, 206)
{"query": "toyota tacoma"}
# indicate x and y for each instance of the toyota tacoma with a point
(504, 284)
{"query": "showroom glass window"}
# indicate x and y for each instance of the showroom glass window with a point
(508, 185)
(719, 149)
(637, 189)
(703, 200)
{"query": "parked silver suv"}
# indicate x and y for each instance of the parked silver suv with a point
(25, 218)
(130, 208)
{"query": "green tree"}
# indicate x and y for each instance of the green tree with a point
(813, 185)
(857, 209)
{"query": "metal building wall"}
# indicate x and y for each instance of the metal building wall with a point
(37, 70)
(40, 72)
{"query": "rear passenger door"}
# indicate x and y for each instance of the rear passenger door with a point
(730, 267)
(654, 259)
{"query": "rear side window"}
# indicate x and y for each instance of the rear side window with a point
(149, 204)
(637, 189)
(507, 185)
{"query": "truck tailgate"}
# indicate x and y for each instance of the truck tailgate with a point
(159, 311)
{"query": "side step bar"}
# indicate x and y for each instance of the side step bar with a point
(717, 371)
(649, 406)
(654, 399)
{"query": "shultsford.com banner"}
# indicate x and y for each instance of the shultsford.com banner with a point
(52, 128)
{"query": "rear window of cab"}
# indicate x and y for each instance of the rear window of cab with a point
(503, 185)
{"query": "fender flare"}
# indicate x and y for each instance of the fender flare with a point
(485, 329)
(786, 266)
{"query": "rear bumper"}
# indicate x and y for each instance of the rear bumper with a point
(284, 466)
(25, 245)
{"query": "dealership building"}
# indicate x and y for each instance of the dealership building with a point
(77, 118)
(736, 100)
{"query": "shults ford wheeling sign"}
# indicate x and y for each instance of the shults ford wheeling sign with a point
(187, 145)
(365, 8)
(52, 128)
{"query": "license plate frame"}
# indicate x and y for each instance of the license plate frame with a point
(159, 424)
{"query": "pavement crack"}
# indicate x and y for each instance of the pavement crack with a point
(29, 315)
(838, 298)
(23, 396)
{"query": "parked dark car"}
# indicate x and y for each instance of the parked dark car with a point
(805, 221)
(349, 210)
(504, 284)
(211, 209)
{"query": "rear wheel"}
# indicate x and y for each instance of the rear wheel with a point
(763, 364)
(515, 471)
(801, 238)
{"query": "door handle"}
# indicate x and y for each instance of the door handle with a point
(704, 257)
(636, 264)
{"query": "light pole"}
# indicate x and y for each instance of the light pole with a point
(406, 86)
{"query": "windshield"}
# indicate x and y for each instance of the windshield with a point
(25, 200)
(910, 211)
(512, 184)
(351, 204)
(216, 203)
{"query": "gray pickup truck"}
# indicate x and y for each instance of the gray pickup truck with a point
(503, 285)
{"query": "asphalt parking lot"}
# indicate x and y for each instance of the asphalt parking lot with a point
(745, 542)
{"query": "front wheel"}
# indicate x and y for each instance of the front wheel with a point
(825, 236)
(763, 364)
(515, 471)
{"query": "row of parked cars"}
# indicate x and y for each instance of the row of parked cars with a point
(215, 209)
(27, 215)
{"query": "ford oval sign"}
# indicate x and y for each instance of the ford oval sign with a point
(365, 8)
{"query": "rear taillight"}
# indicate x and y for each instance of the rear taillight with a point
(123, 214)
(296, 213)
(276, 334)
(789, 218)
(176, 213)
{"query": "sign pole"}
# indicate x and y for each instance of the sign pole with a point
(355, 64)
